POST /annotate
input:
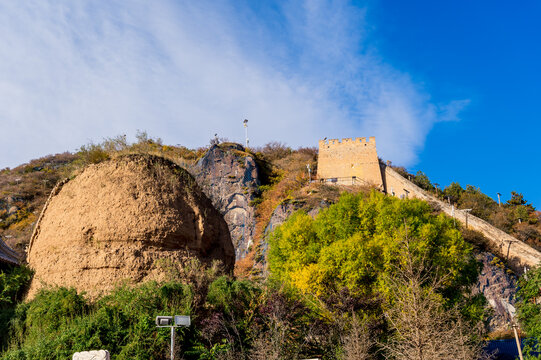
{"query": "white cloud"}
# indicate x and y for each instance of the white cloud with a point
(76, 71)
(450, 111)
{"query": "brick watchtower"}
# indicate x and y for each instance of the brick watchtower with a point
(349, 159)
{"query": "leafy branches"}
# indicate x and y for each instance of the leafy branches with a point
(354, 244)
(422, 326)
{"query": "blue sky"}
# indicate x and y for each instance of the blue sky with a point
(449, 88)
(489, 53)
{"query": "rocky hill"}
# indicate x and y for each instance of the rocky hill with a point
(230, 177)
(119, 220)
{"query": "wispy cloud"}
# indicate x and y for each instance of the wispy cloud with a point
(452, 110)
(300, 71)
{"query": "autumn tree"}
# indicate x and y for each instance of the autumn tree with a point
(357, 341)
(421, 179)
(453, 192)
(422, 327)
(354, 244)
(482, 205)
(519, 208)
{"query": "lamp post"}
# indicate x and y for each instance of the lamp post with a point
(499, 202)
(246, 131)
(515, 326)
(173, 322)
(467, 211)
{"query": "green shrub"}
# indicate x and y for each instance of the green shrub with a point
(13, 283)
(59, 322)
(529, 310)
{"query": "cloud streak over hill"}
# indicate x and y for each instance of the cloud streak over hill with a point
(80, 71)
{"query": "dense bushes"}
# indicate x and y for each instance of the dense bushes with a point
(13, 283)
(230, 319)
(357, 243)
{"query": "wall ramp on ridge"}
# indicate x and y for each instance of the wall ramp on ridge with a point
(519, 255)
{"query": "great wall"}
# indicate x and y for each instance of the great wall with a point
(355, 161)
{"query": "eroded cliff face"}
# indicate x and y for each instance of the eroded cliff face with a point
(229, 176)
(118, 220)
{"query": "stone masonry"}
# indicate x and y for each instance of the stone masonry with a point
(349, 159)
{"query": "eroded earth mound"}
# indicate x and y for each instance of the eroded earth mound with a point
(122, 220)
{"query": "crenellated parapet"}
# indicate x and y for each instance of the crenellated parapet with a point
(360, 141)
(349, 158)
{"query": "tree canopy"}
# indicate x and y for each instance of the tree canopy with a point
(356, 244)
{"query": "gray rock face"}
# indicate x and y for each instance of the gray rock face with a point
(280, 214)
(498, 286)
(229, 177)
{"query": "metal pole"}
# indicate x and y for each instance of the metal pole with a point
(246, 131)
(499, 202)
(518, 342)
(172, 343)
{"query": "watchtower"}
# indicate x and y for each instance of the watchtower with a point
(349, 159)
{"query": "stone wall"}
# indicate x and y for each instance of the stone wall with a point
(518, 254)
(349, 159)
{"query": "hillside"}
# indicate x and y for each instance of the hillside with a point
(103, 225)
(23, 192)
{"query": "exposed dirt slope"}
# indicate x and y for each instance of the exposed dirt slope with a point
(119, 220)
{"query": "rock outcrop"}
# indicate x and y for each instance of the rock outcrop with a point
(287, 208)
(8, 255)
(118, 220)
(498, 285)
(229, 177)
